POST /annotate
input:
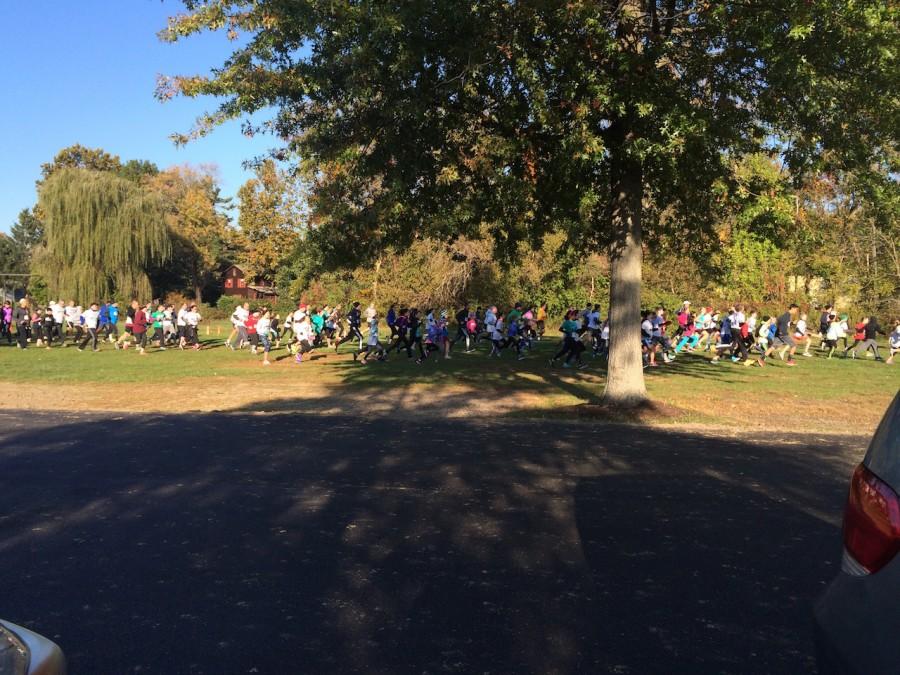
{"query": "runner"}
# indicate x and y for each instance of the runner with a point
(353, 319)
(192, 320)
(91, 317)
(21, 318)
(139, 327)
(783, 337)
(894, 342)
(802, 336)
(239, 326)
(6, 321)
(263, 329)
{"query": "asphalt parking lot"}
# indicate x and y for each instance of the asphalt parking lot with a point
(247, 543)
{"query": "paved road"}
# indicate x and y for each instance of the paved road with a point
(288, 544)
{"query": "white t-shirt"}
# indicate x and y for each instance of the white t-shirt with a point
(59, 312)
(91, 317)
(192, 318)
(800, 328)
(834, 331)
(304, 331)
(264, 326)
(71, 314)
(240, 316)
(179, 319)
(299, 315)
(646, 328)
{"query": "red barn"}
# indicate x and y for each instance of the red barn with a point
(236, 282)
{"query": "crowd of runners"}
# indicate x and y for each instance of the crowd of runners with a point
(738, 334)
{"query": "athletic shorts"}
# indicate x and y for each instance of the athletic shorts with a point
(783, 341)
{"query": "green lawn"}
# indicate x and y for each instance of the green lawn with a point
(817, 392)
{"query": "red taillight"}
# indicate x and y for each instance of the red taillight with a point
(871, 520)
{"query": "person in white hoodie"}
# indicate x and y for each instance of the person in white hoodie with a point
(239, 321)
(91, 319)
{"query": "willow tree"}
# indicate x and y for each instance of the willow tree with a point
(101, 233)
(611, 118)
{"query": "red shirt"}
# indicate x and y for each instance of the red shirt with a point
(139, 325)
(251, 324)
(860, 331)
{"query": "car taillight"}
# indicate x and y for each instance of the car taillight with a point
(871, 520)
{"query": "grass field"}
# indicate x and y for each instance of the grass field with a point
(837, 395)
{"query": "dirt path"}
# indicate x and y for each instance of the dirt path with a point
(445, 401)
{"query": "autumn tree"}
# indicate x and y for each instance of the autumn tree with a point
(199, 230)
(270, 219)
(102, 234)
(610, 119)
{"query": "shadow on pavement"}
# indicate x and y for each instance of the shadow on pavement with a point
(311, 544)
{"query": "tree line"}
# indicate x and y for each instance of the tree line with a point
(103, 228)
(622, 124)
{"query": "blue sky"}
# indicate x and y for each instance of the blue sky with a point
(84, 72)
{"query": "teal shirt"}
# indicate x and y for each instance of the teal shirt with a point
(318, 322)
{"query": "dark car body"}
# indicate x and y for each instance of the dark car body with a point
(857, 620)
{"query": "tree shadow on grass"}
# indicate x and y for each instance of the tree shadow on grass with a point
(326, 544)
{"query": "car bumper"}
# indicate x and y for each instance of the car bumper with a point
(857, 623)
(45, 657)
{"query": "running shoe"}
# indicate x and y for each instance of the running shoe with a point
(791, 362)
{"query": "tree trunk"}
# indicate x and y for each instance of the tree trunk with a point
(375, 282)
(625, 378)
(198, 294)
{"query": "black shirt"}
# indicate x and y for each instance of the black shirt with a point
(783, 325)
(872, 328)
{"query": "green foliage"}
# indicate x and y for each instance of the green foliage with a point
(417, 121)
(27, 231)
(137, 170)
(420, 119)
(11, 258)
(751, 267)
(102, 234)
(226, 304)
(79, 157)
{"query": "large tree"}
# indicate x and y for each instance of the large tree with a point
(270, 220)
(612, 117)
(200, 232)
(101, 235)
